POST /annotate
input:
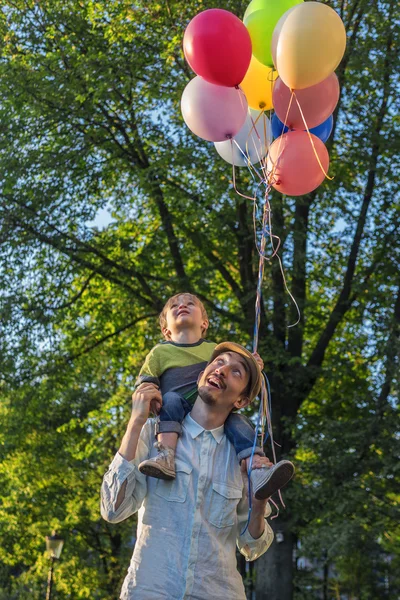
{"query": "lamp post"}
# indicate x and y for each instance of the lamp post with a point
(54, 544)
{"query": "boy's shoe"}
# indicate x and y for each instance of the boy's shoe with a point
(268, 480)
(161, 466)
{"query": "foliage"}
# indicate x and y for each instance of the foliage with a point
(90, 123)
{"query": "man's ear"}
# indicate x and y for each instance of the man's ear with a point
(199, 377)
(241, 402)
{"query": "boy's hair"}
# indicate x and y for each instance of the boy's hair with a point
(170, 301)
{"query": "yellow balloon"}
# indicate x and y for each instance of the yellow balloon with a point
(308, 43)
(257, 85)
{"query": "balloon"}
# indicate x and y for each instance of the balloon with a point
(254, 145)
(260, 19)
(297, 170)
(317, 102)
(257, 85)
(217, 47)
(308, 44)
(277, 126)
(322, 131)
(213, 112)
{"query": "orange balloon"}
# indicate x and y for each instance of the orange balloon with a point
(257, 85)
(293, 166)
(308, 43)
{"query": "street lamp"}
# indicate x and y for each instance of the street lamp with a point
(54, 544)
(279, 537)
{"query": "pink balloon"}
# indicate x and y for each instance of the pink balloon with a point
(317, 102)
(213, 112)
(217, 47)
(293, 165)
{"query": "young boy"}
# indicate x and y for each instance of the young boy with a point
(173, 367)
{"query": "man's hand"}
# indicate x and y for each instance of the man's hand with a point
(156, 401)
(259, 360)
(142, 398)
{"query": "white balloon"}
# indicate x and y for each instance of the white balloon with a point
(251, 144)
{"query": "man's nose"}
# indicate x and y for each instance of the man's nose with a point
(221, 370)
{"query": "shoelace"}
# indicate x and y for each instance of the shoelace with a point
(162, 450)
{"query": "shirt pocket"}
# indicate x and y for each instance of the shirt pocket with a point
(176, 489)
(222, 506)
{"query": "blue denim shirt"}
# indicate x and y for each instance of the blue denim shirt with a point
(187, 528)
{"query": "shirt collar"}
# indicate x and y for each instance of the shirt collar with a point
(195, 429)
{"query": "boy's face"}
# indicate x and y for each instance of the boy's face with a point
(224, 382)
(184, 313)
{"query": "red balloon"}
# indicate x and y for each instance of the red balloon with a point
(217, 47)
(292, 163)
(317, 102)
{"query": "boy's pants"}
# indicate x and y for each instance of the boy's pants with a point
(238, 428)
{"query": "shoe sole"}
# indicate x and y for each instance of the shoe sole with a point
(278, 480)
(154, 471)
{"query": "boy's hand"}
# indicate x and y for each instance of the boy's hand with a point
(141, 400)
(259, 360)
(156, 402)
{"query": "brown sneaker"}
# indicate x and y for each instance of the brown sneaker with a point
(161, 466)
(268, 480)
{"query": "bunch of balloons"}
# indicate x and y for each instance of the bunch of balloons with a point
(237, 64)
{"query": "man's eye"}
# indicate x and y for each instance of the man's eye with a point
(192, 303)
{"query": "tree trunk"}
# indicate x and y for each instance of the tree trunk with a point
(274, 571)
(325, 581)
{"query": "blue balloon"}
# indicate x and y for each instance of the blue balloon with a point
(322, 131)
(277, 126)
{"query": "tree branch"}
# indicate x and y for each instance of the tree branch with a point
(392, 356)
(207, 251)
(115, 333)
(344, 301)
(65, 304)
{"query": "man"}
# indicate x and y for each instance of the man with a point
(188, 527)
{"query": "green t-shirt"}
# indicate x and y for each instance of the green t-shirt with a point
(176, 367)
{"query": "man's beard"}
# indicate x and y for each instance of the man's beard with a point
(207, 396)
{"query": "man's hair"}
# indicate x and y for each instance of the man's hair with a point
(169, 303)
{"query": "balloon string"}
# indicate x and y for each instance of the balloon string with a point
(260, 274)
(290, 294)
(275, 250)
(246, 158)
(310, 136)
(265, 400)
(275, 165)
(235, 186)
(264, 144)
(271, 235)
(250, 137)
(268, 413)
(283, 272)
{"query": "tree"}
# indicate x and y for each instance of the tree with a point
(89, 101)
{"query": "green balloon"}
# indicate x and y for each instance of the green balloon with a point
(281, 6)
(260, 19)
